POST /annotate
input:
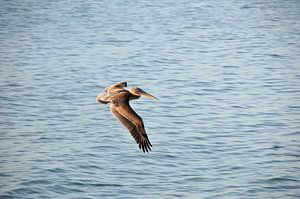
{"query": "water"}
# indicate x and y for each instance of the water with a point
(226, 73)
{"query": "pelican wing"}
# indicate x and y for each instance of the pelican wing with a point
(116, 87)
(134, 123)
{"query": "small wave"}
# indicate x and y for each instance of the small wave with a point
(56, 170)
(276, 56)
(247, 7)
(5, 196)
(95, 184)
(38, 182)
(5, 175)
(26, 191)
(282, 179)
(277, 180)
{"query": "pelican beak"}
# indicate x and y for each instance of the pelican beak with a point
(145, 94)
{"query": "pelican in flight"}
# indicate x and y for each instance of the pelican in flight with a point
(118, 98)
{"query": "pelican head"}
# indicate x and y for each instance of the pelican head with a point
(139, 92)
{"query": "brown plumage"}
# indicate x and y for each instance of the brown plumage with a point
(119, 99)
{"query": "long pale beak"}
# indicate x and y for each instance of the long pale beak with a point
(145, 94)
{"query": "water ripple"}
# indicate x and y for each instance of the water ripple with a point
(227, 125)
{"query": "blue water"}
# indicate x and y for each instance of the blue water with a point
(227, 74)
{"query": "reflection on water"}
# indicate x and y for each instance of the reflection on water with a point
(226, 73)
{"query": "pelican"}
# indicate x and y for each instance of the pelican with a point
(118, 98)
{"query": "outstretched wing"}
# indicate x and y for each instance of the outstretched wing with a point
(134, 123)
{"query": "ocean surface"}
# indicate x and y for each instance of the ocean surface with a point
(227, 74)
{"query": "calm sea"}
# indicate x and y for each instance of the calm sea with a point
(227, 74)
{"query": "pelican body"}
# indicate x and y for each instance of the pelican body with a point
(118, 97)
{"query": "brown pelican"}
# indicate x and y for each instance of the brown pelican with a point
(119, 98)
